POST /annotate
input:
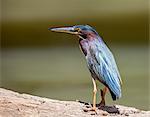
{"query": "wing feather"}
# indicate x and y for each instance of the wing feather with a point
(105, 68)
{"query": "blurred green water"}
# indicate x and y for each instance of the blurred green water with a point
(24, 23)
(61, 73)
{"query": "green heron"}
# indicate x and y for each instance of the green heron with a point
(100, 61)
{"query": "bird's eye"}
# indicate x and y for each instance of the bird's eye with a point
(77, 29)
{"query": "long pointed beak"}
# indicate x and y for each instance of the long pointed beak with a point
(70, 30)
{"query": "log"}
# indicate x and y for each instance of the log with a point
(13, 104)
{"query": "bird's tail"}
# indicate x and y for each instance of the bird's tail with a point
(114, 97)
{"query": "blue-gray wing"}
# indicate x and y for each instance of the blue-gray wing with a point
(106, 69)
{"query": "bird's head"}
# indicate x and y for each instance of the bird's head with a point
(82, 31)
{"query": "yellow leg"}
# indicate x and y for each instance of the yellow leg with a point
(94, 95)
(103, 93)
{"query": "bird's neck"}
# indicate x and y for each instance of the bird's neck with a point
(85, 44)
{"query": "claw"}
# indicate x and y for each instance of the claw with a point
(93, 109)
(90, 110)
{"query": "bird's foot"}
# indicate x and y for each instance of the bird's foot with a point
(95, 111)
(101, 104)
(92, 109)
(88, 107)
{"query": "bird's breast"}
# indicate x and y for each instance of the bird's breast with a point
(87, 48)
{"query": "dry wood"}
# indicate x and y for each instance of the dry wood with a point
(13, 104)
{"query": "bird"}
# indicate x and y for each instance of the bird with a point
(100, 61)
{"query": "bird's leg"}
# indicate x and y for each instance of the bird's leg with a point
(94, 98)
(94, 95)
(103, 93)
